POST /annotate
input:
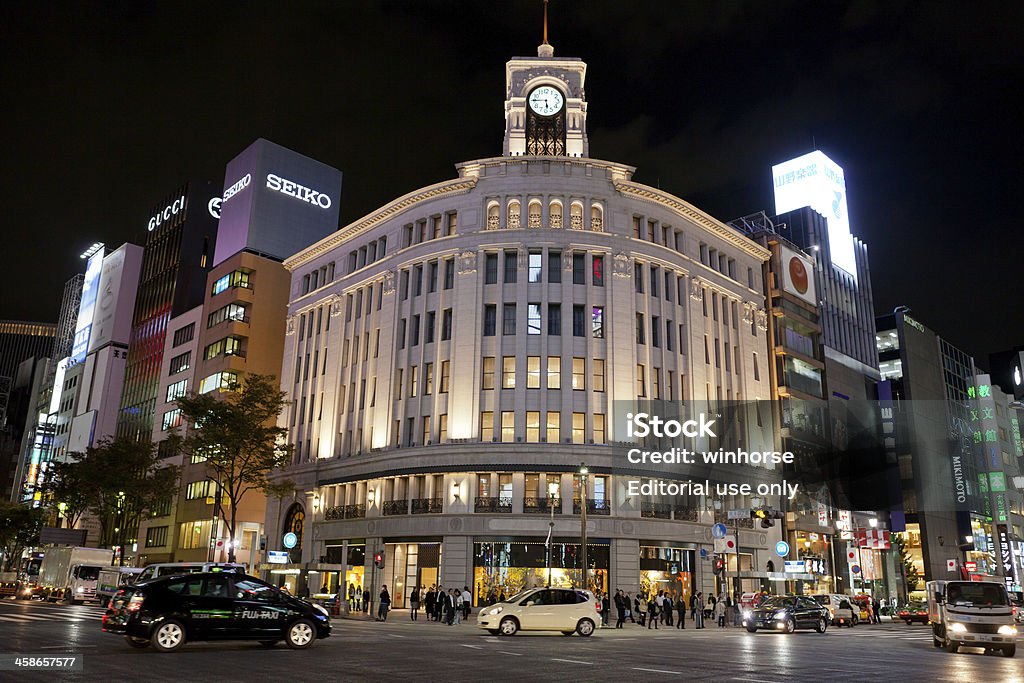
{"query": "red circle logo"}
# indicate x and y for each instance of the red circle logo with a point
(798, 275)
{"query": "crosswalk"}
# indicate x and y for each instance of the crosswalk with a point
(29, 613)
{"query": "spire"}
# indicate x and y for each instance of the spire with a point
(545, 49)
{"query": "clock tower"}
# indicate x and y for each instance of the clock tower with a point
(545, 104)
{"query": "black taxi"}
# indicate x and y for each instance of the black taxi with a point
(169, 611)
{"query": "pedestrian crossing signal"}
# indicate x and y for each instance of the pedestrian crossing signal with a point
(378, 560)
(719, 566)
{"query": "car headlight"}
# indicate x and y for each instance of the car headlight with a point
(322, 611)
(81, 589)
(957, 628)
(780, 615)
(746, 614)
(1007, 630)
(496, 610)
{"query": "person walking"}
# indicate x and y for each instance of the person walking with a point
(366, 600)
(638, 609)
(699, 612)
(621, 608)
(414, 603)
(720, 613)
(605, 609)
(694, 601)
(681, 611)
(457, 596)
(428, 602)
(449, 607)
(467, 603)
(652, 613)
(385, 604)
(876, 606)
(352, 603)
(668, 606)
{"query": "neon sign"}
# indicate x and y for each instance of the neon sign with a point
(172, 209)
(293, 189)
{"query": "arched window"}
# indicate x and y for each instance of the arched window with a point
(555, 214)
(493, 216)
(294, 523)
(533, 216)
(596, 218)
(513, 215)
(576, 216)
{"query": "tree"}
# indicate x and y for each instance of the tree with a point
(237, 434)
(67, 490)
(19, 529)
(899, 541)
(117, 481)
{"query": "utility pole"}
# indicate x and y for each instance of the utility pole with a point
(583, 523)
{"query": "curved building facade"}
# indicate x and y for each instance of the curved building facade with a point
(454, 357)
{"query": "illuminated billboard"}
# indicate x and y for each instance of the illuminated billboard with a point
(276, 202)
(798, 275)
(90, 291)
(115, 300)
(816, 181)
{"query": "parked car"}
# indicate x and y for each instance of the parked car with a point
(167, 612)
(913, 612)
(787, 613)
(543, 609)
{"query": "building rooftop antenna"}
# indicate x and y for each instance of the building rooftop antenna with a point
(545, 49)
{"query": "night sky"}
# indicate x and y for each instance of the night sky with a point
(108, 107)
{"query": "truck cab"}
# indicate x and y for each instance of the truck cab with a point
(971, 614)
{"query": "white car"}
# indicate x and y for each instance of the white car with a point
(543, 609)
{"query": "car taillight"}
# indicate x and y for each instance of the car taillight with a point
(597, 606)
(135, 603)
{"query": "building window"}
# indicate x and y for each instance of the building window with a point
(579, 422)
(490, 269)
(229, 346)
(184, 334)
(640, 328)
(442, 426)
(240, 278)
(417, 281)
(402, 324)
(428, 379)
(757, 371)
(180, 363)
(641, 381)
(508, 372)
(555, 215)
(194, 535)
(599, 434)
(554, 372)
(508, 319)
(156, 536)
(533, 318)
(597, 271)
(597, 322)
(511, 267)
(490, 313)
(579, 374)
(217, 381)
(444, 377)
(554, 266)
(579, 269)
(414, 380)
(432, 276)
(532, 426)
(172, 419)
(669, 329)
(598, 366)
(235, 312)
(554, 319)
(446, 324)
(513, 215)
(414, 331)
(487, 380)
(508, 426)
(655, 279)
(578, 321)
(656, 384)
(200, 489)
(533, 372)
(536, 267)
(493, 217)
(176, 390)
(576, 216)
(428, 328)
(655, 331)
(449, 273)
(638, 278)
(487, 426)
(554, 426)
(403, 285)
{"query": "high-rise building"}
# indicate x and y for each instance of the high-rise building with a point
(454, 356)
(1008, 371)
(19, 419)
(20, 340)
(70, 301)
(179, 242)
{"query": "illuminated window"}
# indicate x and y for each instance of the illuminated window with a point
(442, 424)
(508, 372)
(428, 379)
(533, 318)
(487, 426)
(172, 419)
(237, 278)
(533, 372)
(195, 535)
(599, 435)
(597, 271)
(579, 427)
(176, 390)
(487, 381)
(414, 380)
(641, 383)
(597, 322)
(508, 426)
(579, 374)
(156, 536)
(218, 381)
(200, 489)
(444, 377)
(554, 426)
(532, 426)
(554, 372)
(555, 215)
(598, 364)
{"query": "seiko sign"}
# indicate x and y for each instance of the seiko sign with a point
(173, 209)
(293, 189)
(238, 186)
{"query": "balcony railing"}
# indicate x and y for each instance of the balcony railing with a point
(532, 505)
(595, 506)
(492, 504)
(683, 513)
(396, 507)
(426, 506)
(656, 510)
(345, 512)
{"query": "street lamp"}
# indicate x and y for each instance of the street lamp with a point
(552, 497)
(583, 521)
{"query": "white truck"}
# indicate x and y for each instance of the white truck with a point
(111, 580)
(971, 614)
(70, 573)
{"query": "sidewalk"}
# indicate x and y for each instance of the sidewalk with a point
(401, 613)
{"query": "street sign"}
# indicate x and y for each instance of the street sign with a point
(718, 531)
(950, 565)
(855, 569)
(971, 566)
(290, 540)
(703, 553)
(277, 556)
(782, 549)
(726, 544)
(739, 514)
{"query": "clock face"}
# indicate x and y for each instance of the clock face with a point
(546, 101)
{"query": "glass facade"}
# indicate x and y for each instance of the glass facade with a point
(503, 568)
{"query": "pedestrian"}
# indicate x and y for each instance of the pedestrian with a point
(652, 613)
(439, 606)
(694, 601)
(457, 596)
(449, 607)
(385, 604)
(876, 605)
(681, 611)
(605, 609)
(352, 597)
(720, 613)
(638, 609)
(621, 608)
(414, 603)
(467, 603)
(668, 605)
(366, 600)
(699, 612)
(428, 603)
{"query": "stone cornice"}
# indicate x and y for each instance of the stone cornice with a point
(455, 186)
(693, 214)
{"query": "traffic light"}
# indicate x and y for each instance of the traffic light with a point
(719, 566)
(766, 515)
(378, 560)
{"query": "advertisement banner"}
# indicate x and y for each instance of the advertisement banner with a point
(90, 292)
(798, 275)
